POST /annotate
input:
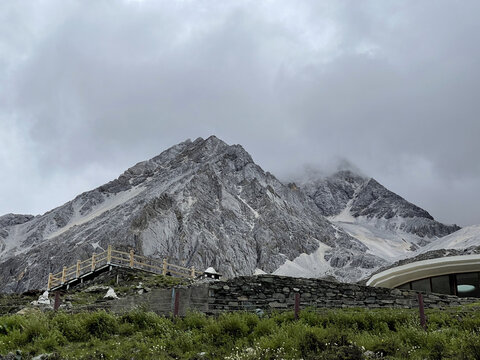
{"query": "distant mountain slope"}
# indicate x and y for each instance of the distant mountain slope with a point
(201, 203)
(8, 221)
(465, 241)
(390, 226)
(468, 237)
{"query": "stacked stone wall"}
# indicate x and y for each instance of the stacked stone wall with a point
(269, 292)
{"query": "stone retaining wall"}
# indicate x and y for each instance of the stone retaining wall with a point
(270, 292)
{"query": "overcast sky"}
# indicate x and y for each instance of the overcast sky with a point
(89, 88)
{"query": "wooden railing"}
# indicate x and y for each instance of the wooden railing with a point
(118, 258)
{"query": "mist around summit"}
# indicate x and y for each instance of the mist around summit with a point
(206, 203)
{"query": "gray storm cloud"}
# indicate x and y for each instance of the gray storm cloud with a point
(88, 88)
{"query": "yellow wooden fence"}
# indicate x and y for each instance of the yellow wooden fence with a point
(118, 258)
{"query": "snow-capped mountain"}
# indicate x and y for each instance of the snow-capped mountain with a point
(201, 203)
(387, 224)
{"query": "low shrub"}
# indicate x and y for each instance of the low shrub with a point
(70, 326)
(194, 320)
(470, 347)
(140, 319)
(318, 335)
(100, 324)
(233, 324)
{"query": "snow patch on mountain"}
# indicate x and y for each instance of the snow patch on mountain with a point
(311, 265)
(391, 244)
(259, 272)
(388, 225)
(345, 216)
(110, 202)
(461, 239)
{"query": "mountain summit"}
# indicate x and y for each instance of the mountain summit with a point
(206, 203)
(201, 203)
(386, 223)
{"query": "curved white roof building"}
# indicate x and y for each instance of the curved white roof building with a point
(454, 275)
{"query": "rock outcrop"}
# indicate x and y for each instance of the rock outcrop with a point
(201, 203)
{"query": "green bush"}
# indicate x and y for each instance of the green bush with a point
(141, 319)
(100, 324)
(312, 341)
(10, 323)
(437, 346)
(194, 320)
(470, 347)
(317, 335)
(233, 324)
(386, 345)
(70, 326)
(51, 342)
(264, 327)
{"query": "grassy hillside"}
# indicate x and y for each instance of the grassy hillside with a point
(322, 334)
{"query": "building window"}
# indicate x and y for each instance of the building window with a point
(442, 285)
(462, 285)
(468, 285)
(422, 285)
(405, 286)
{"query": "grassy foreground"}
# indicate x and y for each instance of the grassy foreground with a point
(322, 334)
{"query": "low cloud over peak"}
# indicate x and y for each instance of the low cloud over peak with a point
(90, 88)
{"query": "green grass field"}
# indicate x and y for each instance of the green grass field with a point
(321, 334)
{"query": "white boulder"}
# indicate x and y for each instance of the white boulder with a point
(110, 294)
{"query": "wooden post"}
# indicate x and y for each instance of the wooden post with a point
(109, 254)
(77, 273)
(93, 262)
(165, 265)
(131, 258)
(192, 273)
(176, 304)
(64, 274)
(49, 285)
(297, 305)
(57, 302)
(421, 308)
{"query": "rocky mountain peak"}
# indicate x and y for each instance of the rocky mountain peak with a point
(202, 203)
(368, 211)
(331, 193)
(206, 203)
(200, 152)
(14, 219)
(374, 200)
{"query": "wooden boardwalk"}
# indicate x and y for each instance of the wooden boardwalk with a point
(112, 257)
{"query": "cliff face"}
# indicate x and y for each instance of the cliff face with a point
(201, 203)
(206, 203)
(346, 193)
(390, 226)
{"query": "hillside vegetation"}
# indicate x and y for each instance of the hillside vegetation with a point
(318, 334)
